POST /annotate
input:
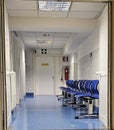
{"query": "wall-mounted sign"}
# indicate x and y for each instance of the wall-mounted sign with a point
(44, 64)
(65, 58)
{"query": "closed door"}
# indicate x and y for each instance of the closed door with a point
(45, 75)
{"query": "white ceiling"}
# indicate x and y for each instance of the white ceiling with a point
(55, 39)
(45, 39)
(77, 9)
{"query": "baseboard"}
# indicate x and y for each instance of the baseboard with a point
(8, 120)
(29, 95)
(103, 119)
(9, 128)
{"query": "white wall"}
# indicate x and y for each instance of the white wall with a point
(58, 24)
(82, 66)
(31, 68)
(97, 44)
(7, 56)
(81, 51)
(87, 58)
(73, 66)
(89, 44)
(29, 71)
(58, 69)
(15, 62)
(103, 54)
(89, 65)
(18, 64)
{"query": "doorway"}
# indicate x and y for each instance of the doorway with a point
(45, 64)
(45, 76)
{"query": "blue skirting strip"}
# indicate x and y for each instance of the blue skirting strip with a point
(29, 95)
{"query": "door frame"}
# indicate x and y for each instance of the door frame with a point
(111, 78)
(34, 57)
(3, 94)
(36, 73)
(110, 66)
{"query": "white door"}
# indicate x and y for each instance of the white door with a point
(45, 75)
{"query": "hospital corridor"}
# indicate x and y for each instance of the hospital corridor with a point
(56, 65)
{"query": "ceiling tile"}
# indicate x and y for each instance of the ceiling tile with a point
(62, 34)
(27, 13)
(29, 40)
(52, 14)
(19, 4)
(31, 43)
(43, 34)
(82, 14)
(84, 6)
(45, 46)
(61, 38)
(45, 39)
(57, 46)
(26, 34)
(59, 42)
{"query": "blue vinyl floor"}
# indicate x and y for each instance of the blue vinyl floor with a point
(46, 113)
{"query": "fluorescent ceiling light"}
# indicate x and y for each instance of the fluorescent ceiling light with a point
(54, 6)
(49, 42)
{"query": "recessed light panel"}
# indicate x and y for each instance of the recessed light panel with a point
(54, 6)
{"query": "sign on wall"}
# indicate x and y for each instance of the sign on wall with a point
(65, 58)
(44, 64)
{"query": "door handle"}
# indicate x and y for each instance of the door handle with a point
(101, 74)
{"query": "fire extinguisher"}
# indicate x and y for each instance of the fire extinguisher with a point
(66, 73)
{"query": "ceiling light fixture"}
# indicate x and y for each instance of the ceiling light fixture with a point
(54, 6)
(49, 42)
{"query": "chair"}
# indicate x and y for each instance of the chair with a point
(90, 95)
(65, 97)
(78, 89)
(64, 89)
(84, 91)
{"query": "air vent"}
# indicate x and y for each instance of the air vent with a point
(43, 51)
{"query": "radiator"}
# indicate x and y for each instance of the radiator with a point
(13, 89)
